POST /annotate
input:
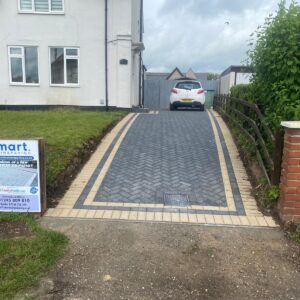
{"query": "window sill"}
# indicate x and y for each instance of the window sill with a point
(41, 13)
(65, 85)
(24, 84)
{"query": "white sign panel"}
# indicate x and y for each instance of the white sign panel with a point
(20, 176)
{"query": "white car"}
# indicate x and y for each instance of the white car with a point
(187, 93)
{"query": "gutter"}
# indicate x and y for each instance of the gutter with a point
(106, 55)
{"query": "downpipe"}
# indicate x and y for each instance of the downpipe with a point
(106, 55)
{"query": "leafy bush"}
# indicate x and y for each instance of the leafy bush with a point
(275, 60)
(243, 91)
(245, 144)
(273, 194)
(212, 76)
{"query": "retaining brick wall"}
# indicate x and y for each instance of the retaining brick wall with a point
(289, 204)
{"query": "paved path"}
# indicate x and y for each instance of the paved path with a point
(180, 167)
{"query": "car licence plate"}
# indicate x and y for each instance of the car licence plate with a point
(187, 100)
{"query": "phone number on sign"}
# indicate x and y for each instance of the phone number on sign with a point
(14, 200)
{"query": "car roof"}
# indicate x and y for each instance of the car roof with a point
(188, 81)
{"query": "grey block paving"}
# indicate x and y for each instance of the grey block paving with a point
(170, 153)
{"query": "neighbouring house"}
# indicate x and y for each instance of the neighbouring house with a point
(191, 74)
(71, 52)
(232, 76)
(175, 74)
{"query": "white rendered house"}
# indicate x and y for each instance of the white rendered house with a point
(233, 76)
(71, 52)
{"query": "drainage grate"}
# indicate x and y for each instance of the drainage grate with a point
(176, 199)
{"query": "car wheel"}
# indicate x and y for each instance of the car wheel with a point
(202, 108)
(172, 107)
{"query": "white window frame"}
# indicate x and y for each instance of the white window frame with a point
(65, 84)
(33, 11)
(22, 56)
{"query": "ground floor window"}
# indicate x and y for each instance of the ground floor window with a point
(23, 65)
(64, 65)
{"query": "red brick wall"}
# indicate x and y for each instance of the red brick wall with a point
(289, 204)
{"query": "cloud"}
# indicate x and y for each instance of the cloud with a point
(194, 33)
(206, 8)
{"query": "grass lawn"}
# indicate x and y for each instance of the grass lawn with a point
(24, 259)
(65, 132)
(26, 249)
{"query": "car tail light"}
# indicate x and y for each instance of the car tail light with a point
(174, 91)
(200, 92)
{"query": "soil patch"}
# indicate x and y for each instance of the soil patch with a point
(14, 230)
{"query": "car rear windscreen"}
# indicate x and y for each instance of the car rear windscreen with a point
(188, 85)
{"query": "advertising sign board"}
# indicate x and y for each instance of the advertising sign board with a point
(20, 176)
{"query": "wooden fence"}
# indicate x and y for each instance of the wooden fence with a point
(249, 119)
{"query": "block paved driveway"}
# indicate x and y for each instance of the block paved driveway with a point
(164, 155)
(180, 167)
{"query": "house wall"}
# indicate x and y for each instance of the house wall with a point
(119, 47)
(243, 78)
(231, 79)
(226, 82)
(124, 30)
(136, 27)
(81, 26)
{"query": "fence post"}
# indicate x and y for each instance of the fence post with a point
(289, 204)
(215, 102)
(247, 114)
(221, 103)
(277, 157)
(229, 106)
(43, 175)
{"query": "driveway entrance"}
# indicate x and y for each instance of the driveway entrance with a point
(173, 166)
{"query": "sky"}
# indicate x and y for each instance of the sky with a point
(195, 33)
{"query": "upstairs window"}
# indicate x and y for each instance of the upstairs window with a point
(41, 6)
(23, 65)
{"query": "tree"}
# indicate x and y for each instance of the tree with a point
(212, 76)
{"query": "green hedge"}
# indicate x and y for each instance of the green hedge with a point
(275, 59)
(243, 91)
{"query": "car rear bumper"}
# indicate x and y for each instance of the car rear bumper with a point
(194, 104)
